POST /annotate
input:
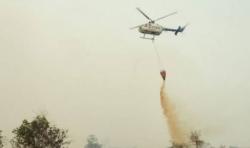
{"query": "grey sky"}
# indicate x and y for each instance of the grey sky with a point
(79, 62)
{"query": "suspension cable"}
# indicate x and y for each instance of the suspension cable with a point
(160, 63)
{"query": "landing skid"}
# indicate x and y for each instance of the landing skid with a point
(147, 38)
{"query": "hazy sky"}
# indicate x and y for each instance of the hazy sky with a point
(78, 62)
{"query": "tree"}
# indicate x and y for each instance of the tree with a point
(1, 139)
(39, 134)
(92, 142)
(195, 138)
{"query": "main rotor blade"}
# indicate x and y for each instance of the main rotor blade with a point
(144, 14)
(136, 26)
(165, 16)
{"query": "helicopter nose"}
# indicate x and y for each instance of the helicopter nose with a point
(140, 29)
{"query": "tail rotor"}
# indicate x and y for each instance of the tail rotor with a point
(180, 29)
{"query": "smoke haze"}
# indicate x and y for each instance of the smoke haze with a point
(78, 61)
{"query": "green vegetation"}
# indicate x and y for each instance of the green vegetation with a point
(39, 134)
(92, 142)
(1, 139)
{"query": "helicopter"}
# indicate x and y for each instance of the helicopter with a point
(154, 29)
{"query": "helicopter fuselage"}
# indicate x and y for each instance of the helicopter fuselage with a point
(151, 28)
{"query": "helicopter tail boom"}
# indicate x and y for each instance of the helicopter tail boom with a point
(176, 31)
